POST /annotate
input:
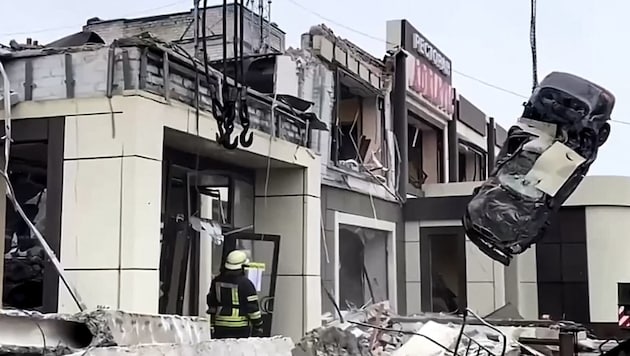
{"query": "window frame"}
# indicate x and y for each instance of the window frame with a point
(370, 223)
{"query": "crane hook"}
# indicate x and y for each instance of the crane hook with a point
(246, 137)
(246, 140)
(227, 144)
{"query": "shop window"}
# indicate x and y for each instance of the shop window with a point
(358, 141)
(472, 163)
(425, 153)
(363, 270)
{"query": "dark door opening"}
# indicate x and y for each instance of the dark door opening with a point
(443, 265)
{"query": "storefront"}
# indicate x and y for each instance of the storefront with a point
(428, 106)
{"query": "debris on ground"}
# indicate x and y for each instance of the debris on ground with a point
(376, 330)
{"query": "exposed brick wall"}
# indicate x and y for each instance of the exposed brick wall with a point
(177, 27)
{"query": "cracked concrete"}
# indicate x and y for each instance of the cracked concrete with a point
(29, 332)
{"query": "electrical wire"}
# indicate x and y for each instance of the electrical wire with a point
(52, 29)
(532, 43)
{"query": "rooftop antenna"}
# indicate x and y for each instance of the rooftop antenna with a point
(268, 18)
(261, 14)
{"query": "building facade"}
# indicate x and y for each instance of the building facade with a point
(130, 168)
(361, 225)
(352, 192)
(575, 273)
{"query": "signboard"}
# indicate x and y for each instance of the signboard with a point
(432, 54)
(424, 81)
(429, 71)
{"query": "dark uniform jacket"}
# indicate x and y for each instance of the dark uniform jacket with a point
(233, 302)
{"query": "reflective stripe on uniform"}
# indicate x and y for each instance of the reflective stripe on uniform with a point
(235, 300)
(231, 324)
(252, 298)
(233, 319)
(255, 315)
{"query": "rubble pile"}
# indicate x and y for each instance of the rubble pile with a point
(24, 332)
(361, 333)
(116, 333)
(377, 331)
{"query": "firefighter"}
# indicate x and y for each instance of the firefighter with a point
(233, 302)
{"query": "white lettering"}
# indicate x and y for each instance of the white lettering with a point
(425, 49)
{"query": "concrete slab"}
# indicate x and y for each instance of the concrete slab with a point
(276, 346)
(25, 332)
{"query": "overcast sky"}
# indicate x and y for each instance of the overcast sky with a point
(485, 39)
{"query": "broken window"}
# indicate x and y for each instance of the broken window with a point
(24, 257)
(472, 163)
(359, 140)
(363, 270)
(425, 153)
(29, 279)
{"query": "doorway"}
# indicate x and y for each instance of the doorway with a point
(443, 269)
(194, 190)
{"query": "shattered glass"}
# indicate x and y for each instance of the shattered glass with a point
(543, 160)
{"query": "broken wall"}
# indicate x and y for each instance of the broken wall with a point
(308, 78)
(177, 28)
(367, 72)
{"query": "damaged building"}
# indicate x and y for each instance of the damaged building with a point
(348, 163)
(137, 183)
(351, 193)
(361, 212)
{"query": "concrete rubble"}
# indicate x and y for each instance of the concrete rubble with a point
(280, 346)
(375, 330)
(112, 332)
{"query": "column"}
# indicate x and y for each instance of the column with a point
(480, 279)
(110, 244)
(527, 284)
(291, 208)
(412, 267)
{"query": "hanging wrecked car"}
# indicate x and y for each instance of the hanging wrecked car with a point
(543, 160)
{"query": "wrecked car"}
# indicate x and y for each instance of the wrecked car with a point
(545, 157)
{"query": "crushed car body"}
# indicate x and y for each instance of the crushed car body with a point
(545, 157)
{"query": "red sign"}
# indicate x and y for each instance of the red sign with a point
(432, 86)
